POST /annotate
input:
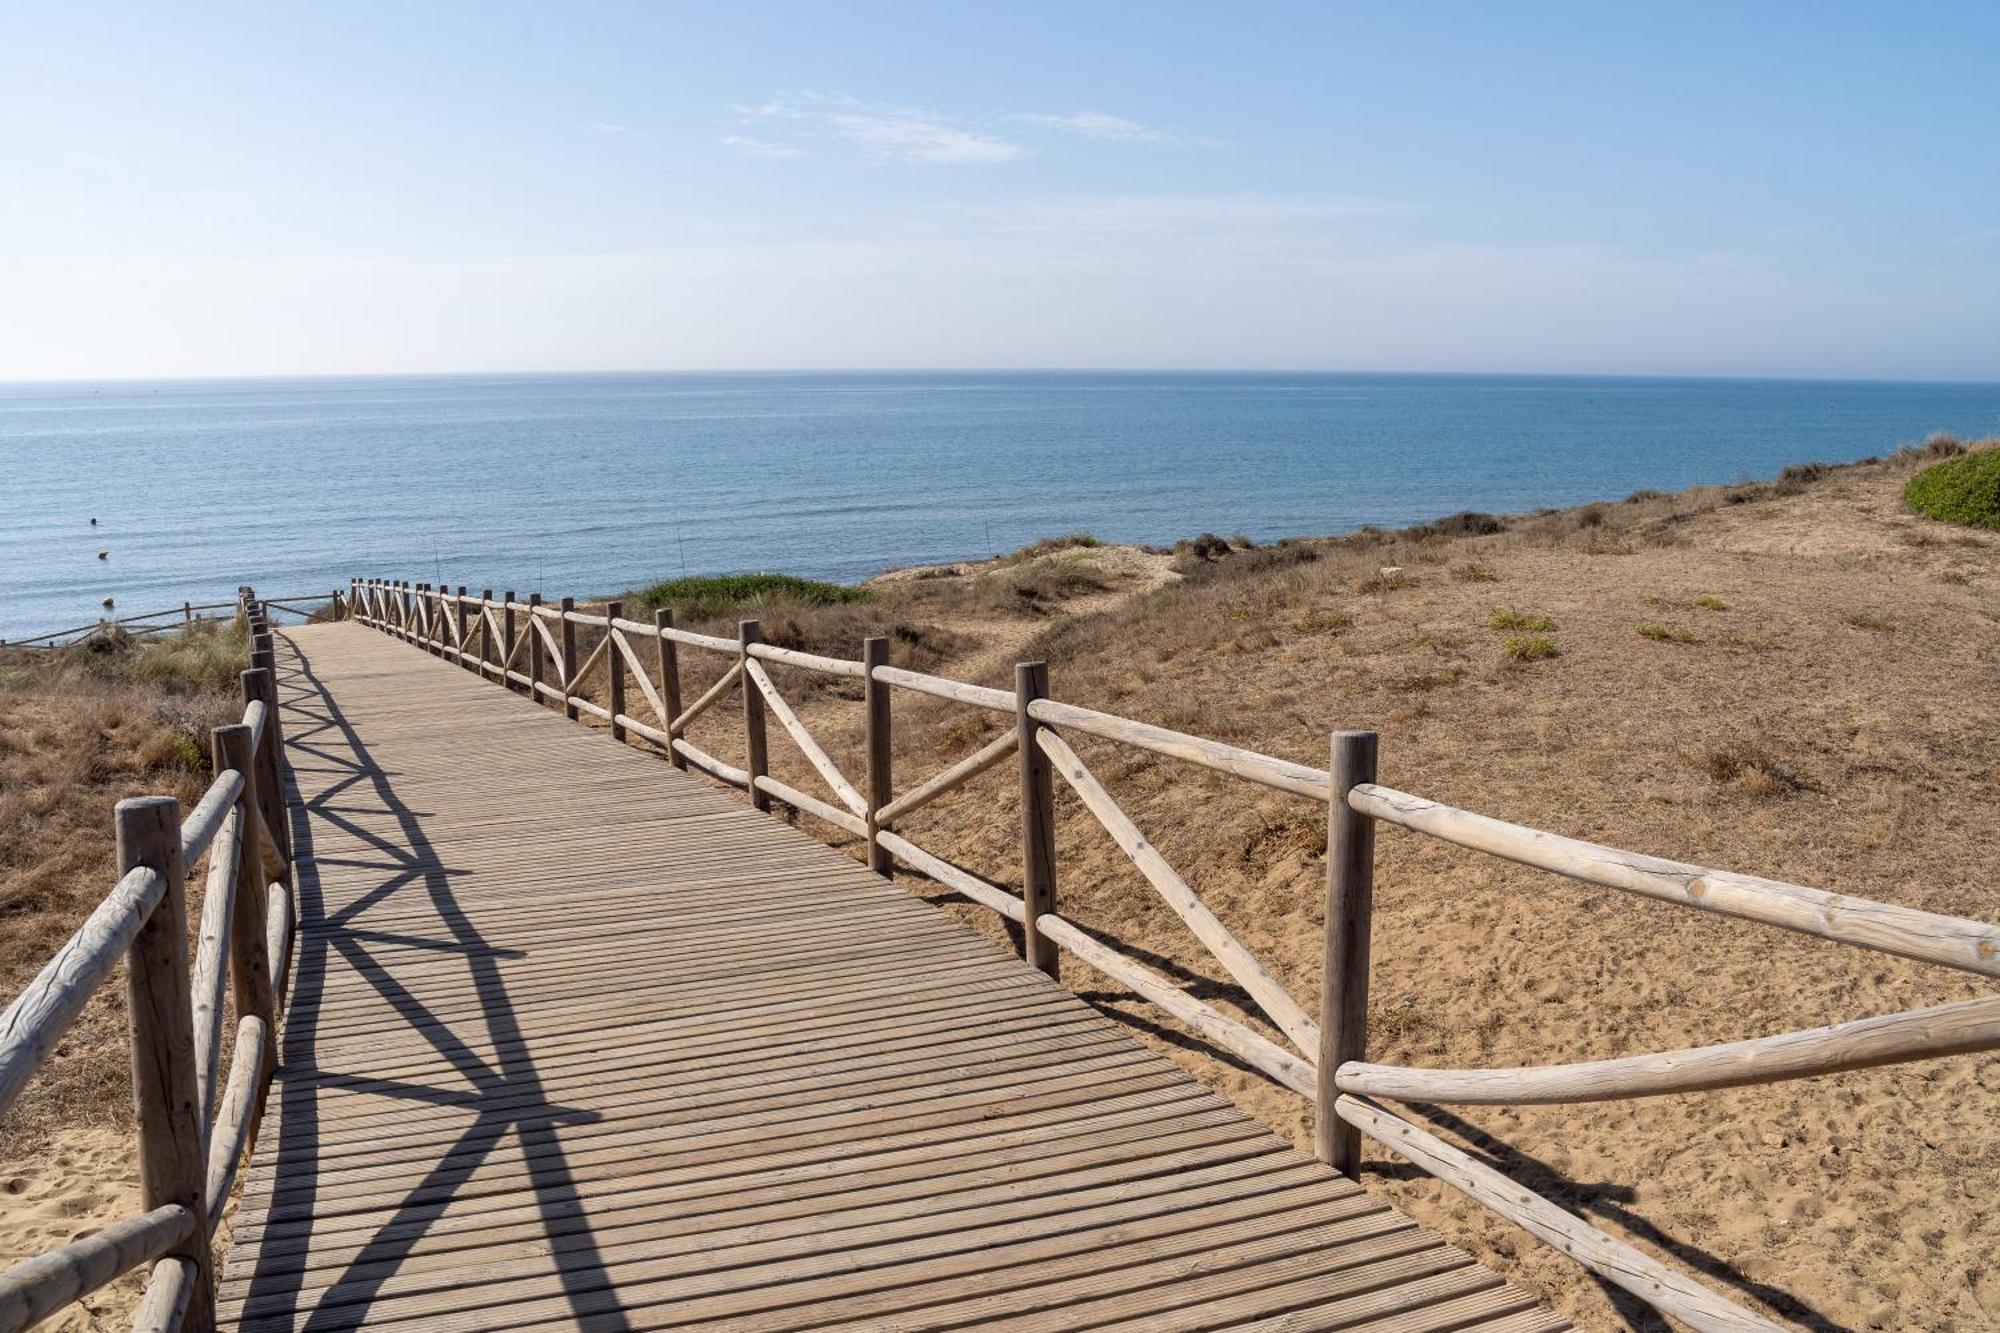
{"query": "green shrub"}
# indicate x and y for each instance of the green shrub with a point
(1519, 620)
(709, 595)
(1529, 648)
(1663, 634)
(1711, 603)
(1961, 490)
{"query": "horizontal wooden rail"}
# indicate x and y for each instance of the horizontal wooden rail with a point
(1916, 1034)
(1260, 768)
(211, 959)
(825, 666)
(203, 822)
(234, 1120)
(1970, 946)
(32, 1291)
(1618, 1263)
(42, 1013)
(169, 1291)
(979, 696)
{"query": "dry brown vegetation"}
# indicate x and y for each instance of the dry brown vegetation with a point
(1832, 717)
(80, 729)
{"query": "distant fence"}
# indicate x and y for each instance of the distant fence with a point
(174, 618)
(192, 1134)
(536, 648)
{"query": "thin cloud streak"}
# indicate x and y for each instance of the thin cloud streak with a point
(881, 132)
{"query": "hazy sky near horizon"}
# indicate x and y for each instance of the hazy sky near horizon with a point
(1686, 188)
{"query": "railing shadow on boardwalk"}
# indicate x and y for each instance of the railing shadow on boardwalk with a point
(503, 1097)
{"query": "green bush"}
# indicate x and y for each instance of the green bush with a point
(1963, 490)
(1529, 648)
(1519, 620)
(710, 595)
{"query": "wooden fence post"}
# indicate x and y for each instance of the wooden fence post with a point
(507, 633)
(187, 613)
(485, 633)
(1038, 819)
(875, 653)
(1350, 897)
(531, 628)
(614, 669)
(258, 683)
(758, 762)
(173, 1161)
(670, 679)
(569, 657)
(249, 964)
(464, 629)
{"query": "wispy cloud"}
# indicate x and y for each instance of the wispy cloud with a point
(880, 132)
(754, 147)
(1099, 126)
(604, 127)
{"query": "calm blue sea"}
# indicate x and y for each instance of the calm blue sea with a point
(594, 483)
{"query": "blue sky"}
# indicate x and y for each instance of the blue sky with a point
(1681, 188)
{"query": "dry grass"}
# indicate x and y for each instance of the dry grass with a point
(79, 730)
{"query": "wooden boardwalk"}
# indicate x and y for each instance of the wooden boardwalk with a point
(577, 1041)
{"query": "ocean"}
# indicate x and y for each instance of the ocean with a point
(589, 484)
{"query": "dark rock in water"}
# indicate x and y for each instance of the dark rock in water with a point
(104, 555)
(109, 601)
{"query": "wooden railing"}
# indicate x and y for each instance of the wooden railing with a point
(193, 1130)
(175, 618)
(535, 648)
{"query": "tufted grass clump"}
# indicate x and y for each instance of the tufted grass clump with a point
(1520, 620)
(1960, 490)
(1529, 648)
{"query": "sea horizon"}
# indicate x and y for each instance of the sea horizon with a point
(588, 482)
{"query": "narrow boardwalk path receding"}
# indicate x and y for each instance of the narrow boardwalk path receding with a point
(577, 1041)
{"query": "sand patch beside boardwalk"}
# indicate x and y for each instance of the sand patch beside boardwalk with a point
(77, 1182)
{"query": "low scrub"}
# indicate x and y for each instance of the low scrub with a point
(1964, 490)
(1050, 545)
(1663, 633)
(1529, 648)
(709, 595)
(1519, 620)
